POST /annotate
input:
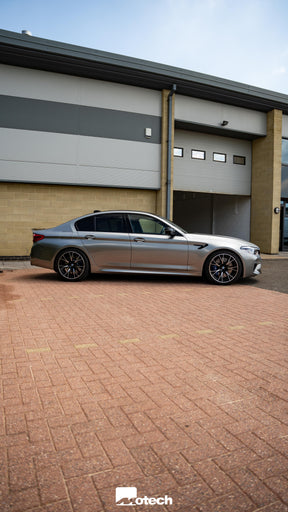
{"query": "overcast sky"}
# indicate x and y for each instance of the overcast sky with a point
(244, 40)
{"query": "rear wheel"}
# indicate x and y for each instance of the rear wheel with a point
(223, 267)
(72, 265)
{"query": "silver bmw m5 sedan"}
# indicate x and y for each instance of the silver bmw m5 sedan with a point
(138, 242)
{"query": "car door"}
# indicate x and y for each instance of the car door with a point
(152, 249)
(106, 240)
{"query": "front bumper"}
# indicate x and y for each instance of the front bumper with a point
(257, 269)
(252, 266)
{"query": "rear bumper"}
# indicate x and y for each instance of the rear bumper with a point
(40, 257)
(37, 262)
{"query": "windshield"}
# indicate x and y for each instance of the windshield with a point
(177, 227)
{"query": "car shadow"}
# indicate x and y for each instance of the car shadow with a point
(48, 276)
(273, 277)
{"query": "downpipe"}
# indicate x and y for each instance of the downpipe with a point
(169, 155)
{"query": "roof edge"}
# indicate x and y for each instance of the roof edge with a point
(81, 53)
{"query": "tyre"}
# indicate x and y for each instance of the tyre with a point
(223, 267)
(72, 265)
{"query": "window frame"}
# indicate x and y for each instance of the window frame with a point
(198, 151)
(220, 154)
(178, 156)
(239, 163)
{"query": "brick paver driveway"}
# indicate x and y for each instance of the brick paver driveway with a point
(172, 386)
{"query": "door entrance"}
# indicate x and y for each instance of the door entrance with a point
(284, 225)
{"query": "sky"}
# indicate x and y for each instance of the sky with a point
(245, 40)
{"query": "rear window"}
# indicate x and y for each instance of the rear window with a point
(111, 222)
(86, 224)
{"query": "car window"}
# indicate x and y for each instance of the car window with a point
(147, 225)
(113, 223)
(86, 224)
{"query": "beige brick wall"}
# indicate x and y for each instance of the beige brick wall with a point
(27, 206)
(266, 185)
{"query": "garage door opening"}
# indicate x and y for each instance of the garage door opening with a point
(216, 214)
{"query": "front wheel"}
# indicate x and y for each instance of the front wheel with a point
(72, 265)
(223, 267)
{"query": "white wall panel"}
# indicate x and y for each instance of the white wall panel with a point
(36, 172)
(121, 154)
(44, 85)
(29, 156)
(207, 175)
(33, 146)
(209, 113)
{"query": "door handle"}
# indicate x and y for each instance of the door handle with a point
(139, 239)
(89, 237)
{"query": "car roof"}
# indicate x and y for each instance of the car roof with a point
(95, 212)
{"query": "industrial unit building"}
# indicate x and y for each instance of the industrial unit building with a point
(82, 129)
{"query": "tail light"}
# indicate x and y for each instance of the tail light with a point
(37, 237)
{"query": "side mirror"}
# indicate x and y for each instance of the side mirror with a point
(170, 232)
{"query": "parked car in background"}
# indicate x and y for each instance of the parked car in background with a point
(139, 242)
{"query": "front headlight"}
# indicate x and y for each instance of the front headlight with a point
(251, 250)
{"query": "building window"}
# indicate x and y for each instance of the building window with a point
(285, 151)
(179, 152)
(239, 160)
(284, 173)
(198, 154)
(219, 157)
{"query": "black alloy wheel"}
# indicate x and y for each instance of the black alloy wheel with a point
(72, 265)
(223, 267)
